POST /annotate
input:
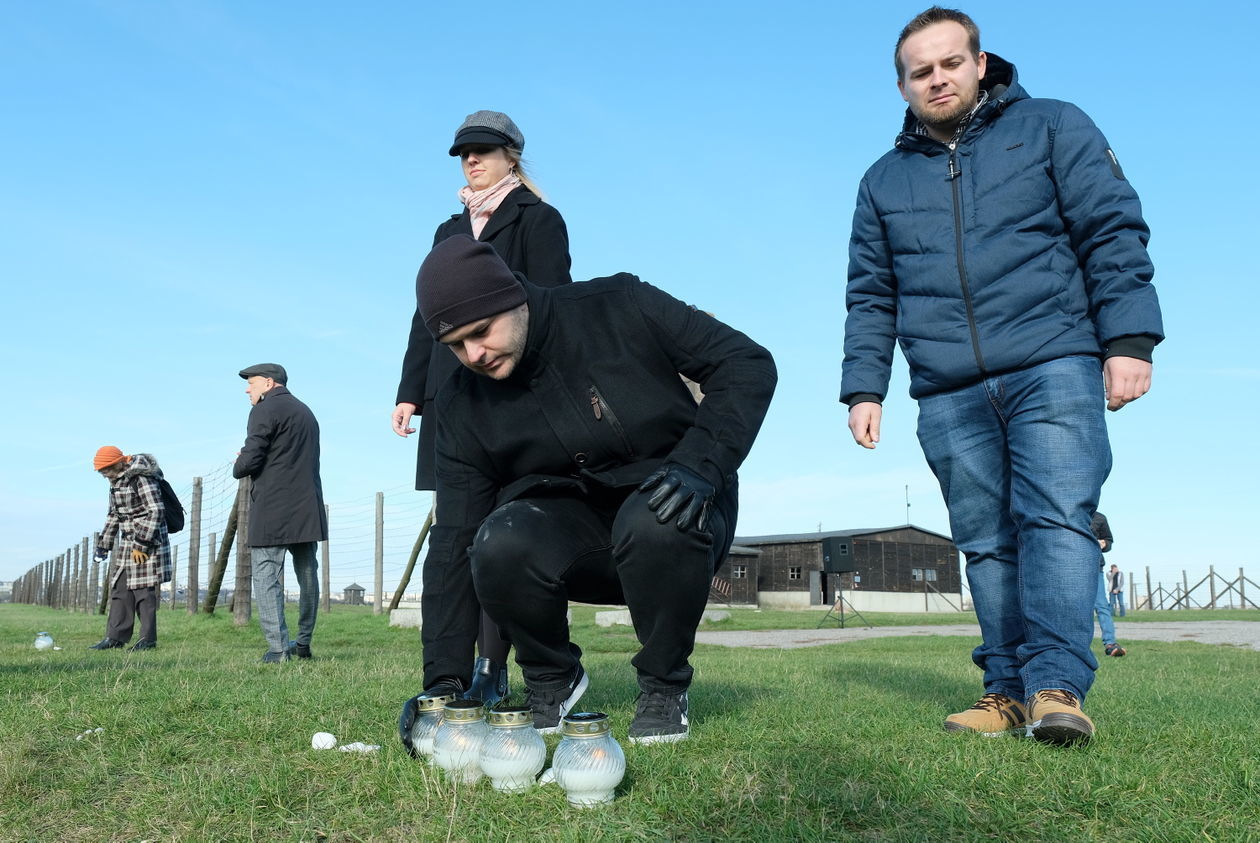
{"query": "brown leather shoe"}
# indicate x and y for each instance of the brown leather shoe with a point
(1057, 718)
(993, 716)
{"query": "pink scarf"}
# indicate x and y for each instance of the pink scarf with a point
(482, 204)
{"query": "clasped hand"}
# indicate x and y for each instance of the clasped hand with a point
(676, 489)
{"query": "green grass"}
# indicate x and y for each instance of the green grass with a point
(201, 742)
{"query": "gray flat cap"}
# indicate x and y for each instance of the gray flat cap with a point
(266, 370)
(488, 128)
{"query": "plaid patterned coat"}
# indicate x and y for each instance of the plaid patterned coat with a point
(138, 519)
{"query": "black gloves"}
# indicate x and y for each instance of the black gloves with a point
(679, 490)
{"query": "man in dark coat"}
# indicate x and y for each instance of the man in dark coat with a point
(1001, 246)
(281, 454)
(580, 467)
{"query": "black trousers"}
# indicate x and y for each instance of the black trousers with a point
(124, 604)
(532, 556)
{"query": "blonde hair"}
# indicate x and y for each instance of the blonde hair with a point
(518, 164)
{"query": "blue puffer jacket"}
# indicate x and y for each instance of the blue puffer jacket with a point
(1024, 244)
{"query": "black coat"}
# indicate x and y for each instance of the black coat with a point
(595, 401)
(281, 454)
(1102, 531)
(531, 237)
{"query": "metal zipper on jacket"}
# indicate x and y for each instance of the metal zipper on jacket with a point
(603, 412)
(954, 173)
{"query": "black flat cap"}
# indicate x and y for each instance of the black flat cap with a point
(266, 370)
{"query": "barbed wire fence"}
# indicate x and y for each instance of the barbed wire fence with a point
(371, 545)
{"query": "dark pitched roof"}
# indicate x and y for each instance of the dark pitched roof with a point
(800, 538)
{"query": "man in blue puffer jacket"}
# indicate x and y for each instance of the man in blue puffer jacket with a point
(1001, 246)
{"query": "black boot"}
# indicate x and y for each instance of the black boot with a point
(489, 682)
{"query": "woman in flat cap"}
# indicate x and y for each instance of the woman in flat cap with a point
(502, 207)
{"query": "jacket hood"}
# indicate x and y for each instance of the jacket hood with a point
(141, 465)
(1001, 82)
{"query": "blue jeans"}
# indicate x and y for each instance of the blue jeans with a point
(1117, 603)
(268, 565)
(1021, 458)
(1103, 609)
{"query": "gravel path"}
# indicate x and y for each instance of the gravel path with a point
(1237, 633)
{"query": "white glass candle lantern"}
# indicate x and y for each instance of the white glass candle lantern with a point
(43, 641)
(513, 751)
(457, 741)
(428, 717)
(589, 763)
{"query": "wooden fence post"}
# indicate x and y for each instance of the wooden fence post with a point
(74, 580)
(1212, 586)
(411, 560)
(95, 576)
(241, 605)
(221, 555)
(325, 568)
(378, 602)
(192, 593)
(174, 573)
(86, 588)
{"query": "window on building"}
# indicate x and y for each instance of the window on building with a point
(794, 573)
(916, 574)
(930, 573)
(739, 572)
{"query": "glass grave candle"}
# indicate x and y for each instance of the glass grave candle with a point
(588, 763)
(43, 641)
(513, 752)
(457, 741)
(428, 718)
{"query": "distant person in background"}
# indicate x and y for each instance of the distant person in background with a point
(1102, 532)
(136, 526)
(1115, 588)
(281, 455)
(502, 207)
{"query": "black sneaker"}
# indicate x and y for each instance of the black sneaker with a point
(489, 683)
(659, 717)
(301, 651)
(549, 706)
(275, 658)
(448, 689)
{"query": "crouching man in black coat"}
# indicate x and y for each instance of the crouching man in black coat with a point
(580, 467)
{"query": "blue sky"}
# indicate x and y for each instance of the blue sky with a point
(192, 187)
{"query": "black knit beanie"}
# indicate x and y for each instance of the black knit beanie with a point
(463, 280)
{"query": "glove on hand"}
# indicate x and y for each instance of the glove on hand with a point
(139, 557)
(676, 489)
(100, 555)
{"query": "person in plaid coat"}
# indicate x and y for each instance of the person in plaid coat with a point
(136, 528)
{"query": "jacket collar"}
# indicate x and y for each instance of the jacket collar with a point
(278, 389)
(508, 211)
(1000, 82)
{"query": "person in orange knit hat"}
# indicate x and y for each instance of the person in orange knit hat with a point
(137, 524)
